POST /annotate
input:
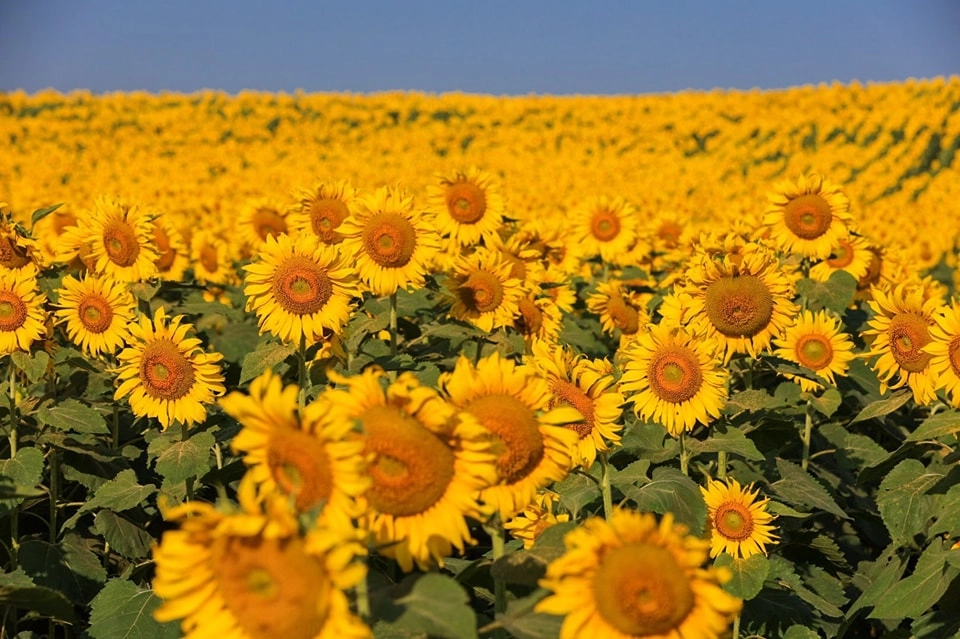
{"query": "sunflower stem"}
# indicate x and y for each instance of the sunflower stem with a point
(605, 486)
(363, 598)
(807, 432)
(684, 456)
(393, 324)
(302, 371)
(115, 429)
(722, 464)
(498, 540)
(54, 493)
(15, 515)
(736, 628)
(189, 482)
(476, 359)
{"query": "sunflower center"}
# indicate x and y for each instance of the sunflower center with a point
(11, 255)
(565, 392)
(674, 374)
(95, 313)
(267, 223)
(389, 240)
(733, 521)
(808, 216)
(466, 202)
(165, 253)
(412, 467)
(120, 243)
(908, 334)
(531, 317)
(623, 315)
(517, 441)
(301, 286)
(165, 372)
(13, 312)
(739, 305)
(209, 258)
(481, 292)
(326, 214)
(272, 587)
(300, 466)
(814, 351)
(641, 590)
(605, 225)
(842, 255)
(670, 233)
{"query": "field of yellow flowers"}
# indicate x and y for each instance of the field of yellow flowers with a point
(406, 365)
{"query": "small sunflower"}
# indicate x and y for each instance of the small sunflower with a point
(944, 351)
(260, 219)
(299, 288)
(852, 255)
(212, 258)
(484, 293)
(537, 517)
(173, 256)
(631, 577)
(120, 237)
(605, 226)
(619, 309)
(97, 313)
(739, 523)
(513, 404)
(467, 206)
(322, 209)
(429, 464)
(296, 456)
(392, 242)
(816, 342)
(538, 319)
(166, 374)
(808, 217)
(22, 318)
(253, 574)
(17, 251)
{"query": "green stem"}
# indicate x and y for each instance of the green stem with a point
(480, 341)
(736, 628)
(393, 324)
(498, 540)
(54, 493)
(116, 427)
(605, 486)
(363, 597)
(302, 371)
(722, 464)
(15, 515)
(807, 432)
(188, 484)
(684, 455)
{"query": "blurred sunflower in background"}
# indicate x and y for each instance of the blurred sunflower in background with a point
(96, 312)
(173, 254)
(212, 258)
(605, 226)
(535, 518)
(621, 310)
(738, 522)
(851, 254)
(944, 351)
(260, 219)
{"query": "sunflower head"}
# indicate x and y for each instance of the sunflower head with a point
(739, 523)
(808, 217)
(467, 206)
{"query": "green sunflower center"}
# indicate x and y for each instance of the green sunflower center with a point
(674, 373)
(814, 351)
(733, 521)
(95, 313)
(120, 243)
(165, 372)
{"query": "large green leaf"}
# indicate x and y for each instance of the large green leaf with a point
(122, 610)
(798, 488)
(914, 595)
(883, 407)
(73, 416)
(267, 355)
(436, 606)
(522, 622)
(177, 461)
(939, 425)
(69, 567)
(902, 500)
(670, 491)
(748, 574)
(18, 590)
(732, 440)
(125, 537)
(835, 294)
(119, 494)
(34, 365)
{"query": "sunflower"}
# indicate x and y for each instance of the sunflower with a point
(537, 517)
(22, 318)
(120, 239)
(17, 251)
(484, 293)
(392, 243)
(808, 217)
(674, 378)
(211, 258)
(743, 300)
(538, 319)
(851, 254)
(252, 574)
(429, 464)
(900, 329)
(313, 462)
(513, 404)
(299, 287)
(166, 374)
(260, 219)
(97, 313)
(944, 351)
(48, 230)
(630, 577)
(816, 342)
(589, 386)
(606, 227)
(467, 206)
(322, 209)
(620, 309)
(173, 256)
(739, 524)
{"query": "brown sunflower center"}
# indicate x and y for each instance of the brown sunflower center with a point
(272, 587)
(209, 257)
(466, 202)
(412, 467)
(12, 255)
(120, 243)
(842, 255)
(482, 292)
(604, 225)
(95, 313)
(814, 351)
(301, 286)
(641, 590)
(908, 334)
(954, 351)
(670, 233)
(565, 392)
(674, 373)
(300, 466)
(165, 253)
(739, 305)
(531, 317)
(13, 312)
(623, 315)
(733, 521)
(326, 215)
(165, 372)
(517, 440)
(808, 216)
(389, 239)
(267, 222)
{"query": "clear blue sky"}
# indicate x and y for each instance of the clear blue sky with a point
(498, 47)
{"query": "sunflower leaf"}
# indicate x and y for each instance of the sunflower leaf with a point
(436, 605)
(748, 574)
(267, 355)
(184, 459)
(123, 611)
(33, 365)
(912, 596)
(939, 425)
(732, 440)
(119, 494)
(523, 623)
(125, 537)
(798, 488)
(835, 294)
(68, 567)
(73, 416)
(18, 590)
(903, 504)
(39, 214)
(883, 407)
(671, 491)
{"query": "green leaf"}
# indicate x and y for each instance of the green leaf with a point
(119, 494)
(748, 400)
(124, 611)
(879, 577)
(25, 468)
(144, 290)
(17, 590)
(69, 567)
(125, 537)
(235, 341)
(748, 574)
(911, 597)
(732, 441)
(34, 366)
(903, 506)
(835, 294)
(522, 622)
(939, 425)
(576, 492)
(182, 460)
(883, 407)
(827, 403)
(672, 491)
(800, 632)
(437, 606)
(798, 488)
(39, 214)
(73, 416)
(267, 355)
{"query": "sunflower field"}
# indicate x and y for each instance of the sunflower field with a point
(407, 365)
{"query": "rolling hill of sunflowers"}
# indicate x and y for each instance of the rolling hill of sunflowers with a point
(406, 365)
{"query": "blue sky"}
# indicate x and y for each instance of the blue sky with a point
(496, 47)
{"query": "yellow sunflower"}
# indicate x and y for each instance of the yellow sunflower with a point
(166, 374)
(631, 577)
(212, 258)
(808, 217)
(299, 287)
(538, 319)
(605, 226)
(48, 230)
(97, 313)
(897, 335)
(260, 219)
(17, 251)
(392, 242)
(120, 237)
(173, 256)
(619, 309)
(429, 464)
(252, 574)
(852, 255)
(537, 517)
(484, 293)
(22, 318)
(589, 386)
(674, 378)
(738, 522)
(944, 351)
(467, 206)
(513, 404)
(322, 209)
(816, 342)
(313, 462)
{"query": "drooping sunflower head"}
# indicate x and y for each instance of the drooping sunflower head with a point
(467, 206)
(808, 217)
(97, 313)
(537, 517)
(538, 319)
(606, 226)
(22, 318)
(17, 250)
(816, 342)
(323, 208)
(621, 310)
(120, 237)
(484, 293)
(738, 522)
